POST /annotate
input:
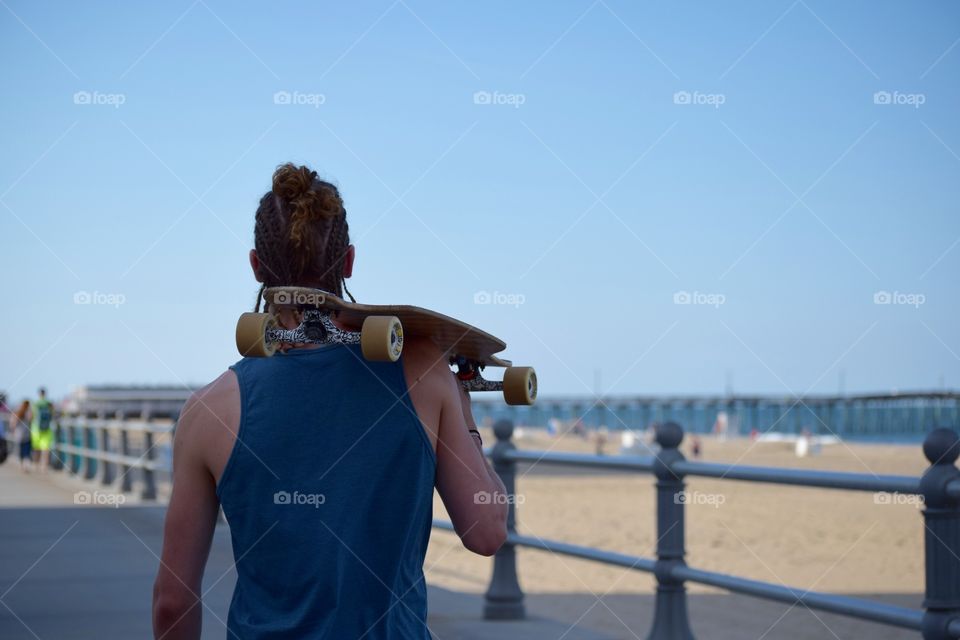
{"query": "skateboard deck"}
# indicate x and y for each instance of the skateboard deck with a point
(380, 330)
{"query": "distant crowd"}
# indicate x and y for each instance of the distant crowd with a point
(27, 431)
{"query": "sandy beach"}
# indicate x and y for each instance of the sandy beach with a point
(819, 539)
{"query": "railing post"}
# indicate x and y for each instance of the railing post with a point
(126, 482)
(670, 620)
(106, 477)
(90, 444)
(941, 515)
(72, 435)
(504, 598)
(149, 490)
(56, 456)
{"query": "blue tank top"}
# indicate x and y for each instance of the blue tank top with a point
(329, 495)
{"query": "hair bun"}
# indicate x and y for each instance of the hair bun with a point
(308, 202)
(305, 197)
(290, 181)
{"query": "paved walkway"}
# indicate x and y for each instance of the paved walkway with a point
(71, 571)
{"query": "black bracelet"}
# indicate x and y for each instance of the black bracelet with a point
(476, 433)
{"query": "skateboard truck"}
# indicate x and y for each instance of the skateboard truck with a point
(519, 385)
(316, 328)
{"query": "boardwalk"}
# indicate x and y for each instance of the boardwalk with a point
(80, 572)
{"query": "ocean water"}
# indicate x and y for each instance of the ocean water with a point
(894, 418)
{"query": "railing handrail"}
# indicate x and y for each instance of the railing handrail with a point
(118, 424)
(620, 463)
(116, 458)
(722, 471)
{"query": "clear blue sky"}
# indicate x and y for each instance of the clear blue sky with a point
(793, 202)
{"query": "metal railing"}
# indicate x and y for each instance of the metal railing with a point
(86, 447)
(112, 450)
(939, 486)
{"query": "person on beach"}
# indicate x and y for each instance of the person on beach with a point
(324, 464)
(20, 434)
(41, 431)
(696, 447)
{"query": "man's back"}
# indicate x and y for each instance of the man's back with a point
(328, 493)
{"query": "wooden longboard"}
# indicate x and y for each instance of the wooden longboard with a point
(449, 334)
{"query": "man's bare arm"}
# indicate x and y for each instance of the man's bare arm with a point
(189, 526)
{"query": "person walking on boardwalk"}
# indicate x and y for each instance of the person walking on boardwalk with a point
(324, 464)
(41, 431)
(20, 434)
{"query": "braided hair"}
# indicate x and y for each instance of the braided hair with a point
(301, 233)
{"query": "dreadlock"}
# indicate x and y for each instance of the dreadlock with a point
(301, 233)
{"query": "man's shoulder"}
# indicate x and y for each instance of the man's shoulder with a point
(216, 402)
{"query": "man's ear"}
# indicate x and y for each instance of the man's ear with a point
(348, 259)
(255, 265)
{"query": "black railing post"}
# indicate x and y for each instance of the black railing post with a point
(74, 457)
(670, 620)
(106, 478)
(56, 455)
(941, 516)
(504, 597)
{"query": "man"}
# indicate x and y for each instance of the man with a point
(41, 431)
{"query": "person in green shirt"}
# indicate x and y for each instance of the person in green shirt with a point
(41, 430)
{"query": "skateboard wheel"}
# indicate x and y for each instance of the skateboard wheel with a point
(381, 338)
(520, 385)
(252, 335)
